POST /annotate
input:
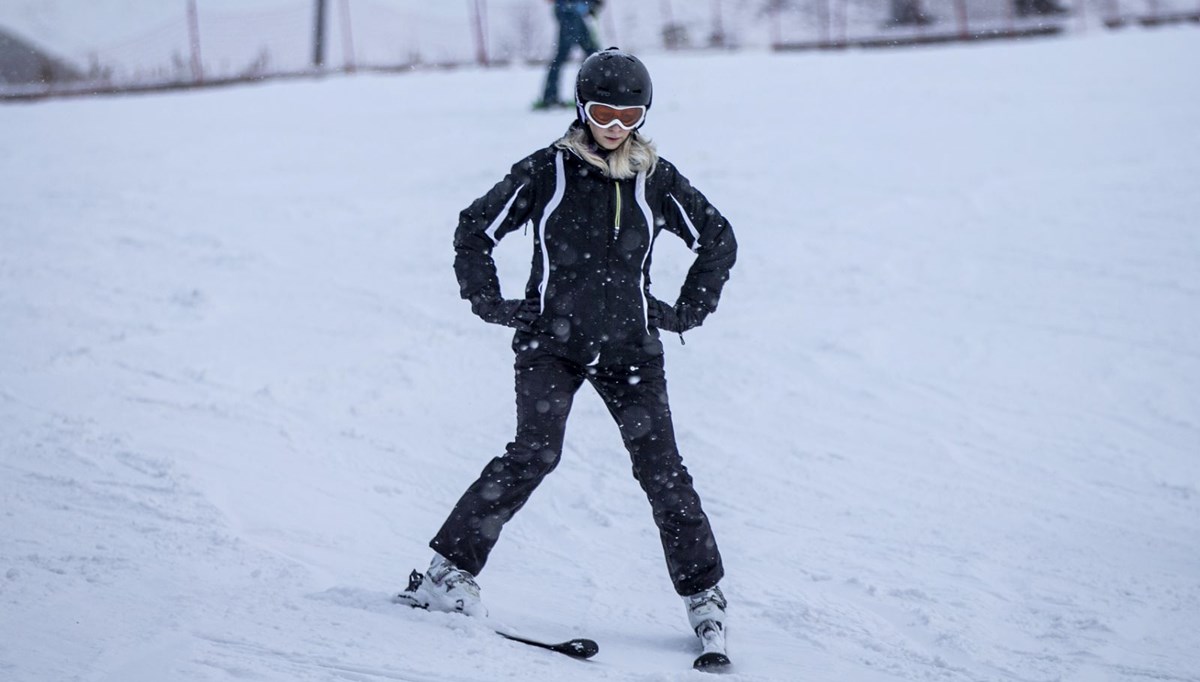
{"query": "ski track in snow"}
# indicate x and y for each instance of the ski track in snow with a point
(945, 422)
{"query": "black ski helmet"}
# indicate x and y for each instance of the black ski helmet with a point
(614, 77)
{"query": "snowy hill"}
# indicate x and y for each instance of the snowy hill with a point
(945, 422)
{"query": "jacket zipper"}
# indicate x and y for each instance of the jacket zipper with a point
(617, 217)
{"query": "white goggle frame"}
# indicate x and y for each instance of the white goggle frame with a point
(587, 111)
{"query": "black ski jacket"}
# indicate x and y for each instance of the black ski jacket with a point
(592, 242)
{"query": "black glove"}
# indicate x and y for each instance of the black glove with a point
(679, 318)
(516, 313)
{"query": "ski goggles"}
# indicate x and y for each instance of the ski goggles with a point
(607, 115)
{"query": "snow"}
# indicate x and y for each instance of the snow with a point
(945, 422)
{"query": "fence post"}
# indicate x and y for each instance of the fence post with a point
(776, 26)
(672, 37)
(477, 11)
(841, 23)
(319, 35)
(194, 41)
(960, 9)
(717, 39)
(347, 37)
(823, 12)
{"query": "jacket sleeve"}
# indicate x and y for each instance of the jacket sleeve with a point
(484, 223)
(688, 214)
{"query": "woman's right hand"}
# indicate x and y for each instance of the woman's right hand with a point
(519, 314)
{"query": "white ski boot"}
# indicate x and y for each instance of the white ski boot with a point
(444, 587)
(706, 615)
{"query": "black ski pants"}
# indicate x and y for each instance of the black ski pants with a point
(636, 395)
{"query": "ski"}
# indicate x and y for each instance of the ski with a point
(714, 659)
(581, 649)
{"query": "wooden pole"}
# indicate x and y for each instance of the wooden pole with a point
(718, 31)
(477, 14)
(823, 22)
(194, 41)
(960, 9)
(347, 37)
(319, 35)
(776, 27)
(841, 23)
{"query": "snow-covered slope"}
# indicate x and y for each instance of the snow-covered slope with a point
(945, 422)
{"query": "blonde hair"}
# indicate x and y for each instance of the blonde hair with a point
(636, 153)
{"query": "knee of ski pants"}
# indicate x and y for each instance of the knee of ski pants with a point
(537, 447)
(528, 460)
(662, 475)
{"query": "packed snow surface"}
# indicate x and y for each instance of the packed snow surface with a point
(946, 422)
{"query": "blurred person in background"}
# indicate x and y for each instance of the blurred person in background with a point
(1025, 8)
(573, 29)
(909, 13)
(597, 199)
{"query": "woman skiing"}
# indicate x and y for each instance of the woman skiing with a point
(597, 199)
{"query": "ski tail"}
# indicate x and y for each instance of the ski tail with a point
(581, 649)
